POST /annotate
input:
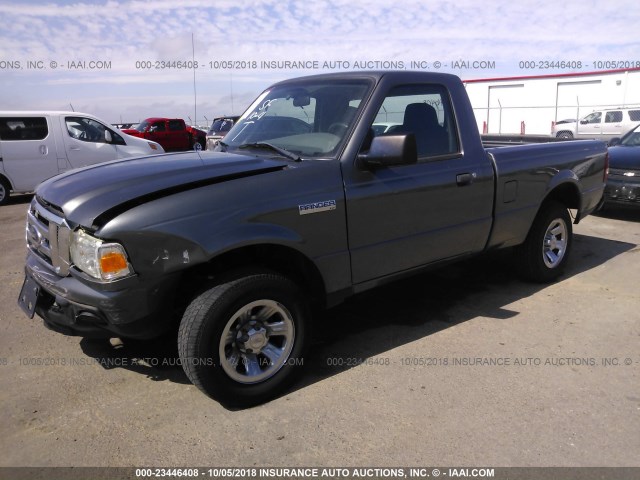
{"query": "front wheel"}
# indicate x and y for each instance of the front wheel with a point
(544, 254)
(242, 342)
(565, 135)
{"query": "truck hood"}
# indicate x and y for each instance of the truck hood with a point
(623, 157)
(92, 196)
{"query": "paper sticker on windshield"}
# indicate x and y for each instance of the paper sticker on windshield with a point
(317, 207)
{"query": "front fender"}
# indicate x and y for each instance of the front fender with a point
(160, 252)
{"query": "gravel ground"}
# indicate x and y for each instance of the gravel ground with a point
(464, 366)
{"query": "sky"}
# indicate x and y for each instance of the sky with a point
(124, 61)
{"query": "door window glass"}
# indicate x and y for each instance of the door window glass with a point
(175, 125)
(425, 111)
(594, 117)
(613, 117)
(86, 129)
(157, 127)
(23, 128)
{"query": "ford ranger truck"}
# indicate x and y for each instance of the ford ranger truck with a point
(301, 206)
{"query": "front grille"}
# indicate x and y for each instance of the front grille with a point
(48, 236)
(622, 194)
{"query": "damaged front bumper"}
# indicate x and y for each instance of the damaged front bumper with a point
(129, 308)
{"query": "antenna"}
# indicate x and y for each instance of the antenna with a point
(72, 109)
(193, 57)
(231, 83)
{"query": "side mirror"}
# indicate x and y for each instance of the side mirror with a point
(583, 122)
(388, 150)
(152, 129)
(107, 136)
(614, 141)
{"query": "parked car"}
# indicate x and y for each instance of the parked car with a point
(35, 146)
(298, 208)
(600, 124)
(172, 133)
(383, 127)
(623, 184)
(219, 128)
(123, 126)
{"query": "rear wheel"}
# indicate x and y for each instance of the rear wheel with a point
(242, 342)
(544, 254)
(5, 190)
(565, 135)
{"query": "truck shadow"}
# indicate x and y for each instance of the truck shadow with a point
(388, 317)
(382, 319)
(156, 359)
(17, 199)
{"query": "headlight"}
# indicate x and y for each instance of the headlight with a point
(104, 261)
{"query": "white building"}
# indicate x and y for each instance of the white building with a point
(529, 104)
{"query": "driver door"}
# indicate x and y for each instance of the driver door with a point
(405, 216)
(590, 126)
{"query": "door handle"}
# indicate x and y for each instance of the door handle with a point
(463, 179)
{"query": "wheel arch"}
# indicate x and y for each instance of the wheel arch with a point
(6, 179)
(282, 259)
(567, 193)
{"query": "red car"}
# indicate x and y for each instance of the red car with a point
(172, 133)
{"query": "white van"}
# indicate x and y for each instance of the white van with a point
(35, 146)
(601, 124)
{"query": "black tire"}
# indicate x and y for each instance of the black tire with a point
(5, 191)
(240, 371)
(565, 135)
(544, 254)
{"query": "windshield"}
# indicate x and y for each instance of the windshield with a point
(632, 139)
(141, 126)
(220, 125)
(307, 119)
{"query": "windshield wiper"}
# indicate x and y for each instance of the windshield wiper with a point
(280, 151)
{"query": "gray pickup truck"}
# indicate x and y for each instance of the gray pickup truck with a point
(301, 206)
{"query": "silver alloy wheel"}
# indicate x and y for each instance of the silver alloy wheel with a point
(554, 245)
(197, 146)
(256, 341)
